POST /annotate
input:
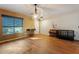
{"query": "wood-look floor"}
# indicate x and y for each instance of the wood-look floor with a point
(40, 44)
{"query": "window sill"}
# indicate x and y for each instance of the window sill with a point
(12, 39)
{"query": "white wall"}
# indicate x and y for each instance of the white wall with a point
(36, 24)
(68, 21)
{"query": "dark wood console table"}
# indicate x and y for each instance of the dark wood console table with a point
(62, 34)
(53, 32)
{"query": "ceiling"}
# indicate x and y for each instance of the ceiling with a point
(43, 9)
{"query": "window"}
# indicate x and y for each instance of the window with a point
(18, 29)
(8, 30)
(11, 25)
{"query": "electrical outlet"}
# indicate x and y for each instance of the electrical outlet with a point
(78, 26)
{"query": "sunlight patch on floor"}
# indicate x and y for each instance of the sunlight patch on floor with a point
(35, 38)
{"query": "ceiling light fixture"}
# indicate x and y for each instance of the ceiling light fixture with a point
(35, 14)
